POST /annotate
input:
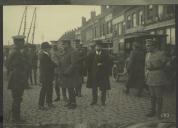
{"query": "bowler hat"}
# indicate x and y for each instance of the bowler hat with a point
(45, 45)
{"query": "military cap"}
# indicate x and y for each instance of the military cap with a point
(45, 45)
(19, 37)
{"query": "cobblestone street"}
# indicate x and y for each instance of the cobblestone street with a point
(120, 108)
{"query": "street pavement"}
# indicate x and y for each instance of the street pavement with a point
(123, 2)
(120, 109)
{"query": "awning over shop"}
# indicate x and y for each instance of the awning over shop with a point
(142, 34)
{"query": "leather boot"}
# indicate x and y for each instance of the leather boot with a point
(153, 107)
(160, 104)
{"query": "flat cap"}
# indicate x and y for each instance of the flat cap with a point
(45, 45)
(18, 37)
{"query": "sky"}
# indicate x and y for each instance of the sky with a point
(51, 23)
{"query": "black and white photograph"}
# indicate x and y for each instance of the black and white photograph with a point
(89, 66)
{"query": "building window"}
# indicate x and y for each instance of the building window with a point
(120, 29)
(170, 36)
(170, 9)
(141, 20)
(160, 11)
(129, 23)
(150, 12)
(134, 18)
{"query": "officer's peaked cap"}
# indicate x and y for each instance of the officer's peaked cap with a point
(19, 37)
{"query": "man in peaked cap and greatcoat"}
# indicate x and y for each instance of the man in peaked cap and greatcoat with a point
(98, 64)
(17, 67)
(155, 76)
(69, 72)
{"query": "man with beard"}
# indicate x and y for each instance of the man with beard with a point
(98, 64)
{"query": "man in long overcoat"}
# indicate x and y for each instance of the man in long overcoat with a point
(17, 67)
(98, 67)
(47, 67)
(69, 72)
(135, 69)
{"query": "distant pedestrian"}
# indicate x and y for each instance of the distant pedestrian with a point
(135, 69)
(17, 67)
(98, 65)
(155, 76)
(47, 67)
(34, 63)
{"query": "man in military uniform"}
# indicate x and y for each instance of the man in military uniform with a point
(17, 67)
(69, 72)
(98, 64)
(155, 76)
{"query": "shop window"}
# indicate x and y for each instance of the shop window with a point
(120, 28)
(150, 12)
(160, 11)
(170, 36)
(134, 18)
(129, 25)
(141, 20)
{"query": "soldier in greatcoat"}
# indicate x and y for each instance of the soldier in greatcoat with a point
(17, 67)
(98, 65)
(155, 76)
(69, 72)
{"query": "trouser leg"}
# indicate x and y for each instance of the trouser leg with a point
(49, 94)
(57, 90)
(159, 95)
(35, 75)
(72, 97)
(42, 96)
(103, 96)
(94, 94)
(153, 99)
(64, 93)
(16, 104)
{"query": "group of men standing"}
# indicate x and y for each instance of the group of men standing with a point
(64, 68)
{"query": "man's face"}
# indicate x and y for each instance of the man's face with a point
(65, 46)
(19, 43)
(149, 47)
(98, 47)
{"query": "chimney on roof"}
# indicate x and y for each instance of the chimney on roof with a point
(93, 14)
(83, 20)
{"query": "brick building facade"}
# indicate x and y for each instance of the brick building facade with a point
(116, 21)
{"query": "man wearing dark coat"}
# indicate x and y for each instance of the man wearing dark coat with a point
(135, 69)
(98, 65)
(69, 72)
(17, 67)
(47, 67)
